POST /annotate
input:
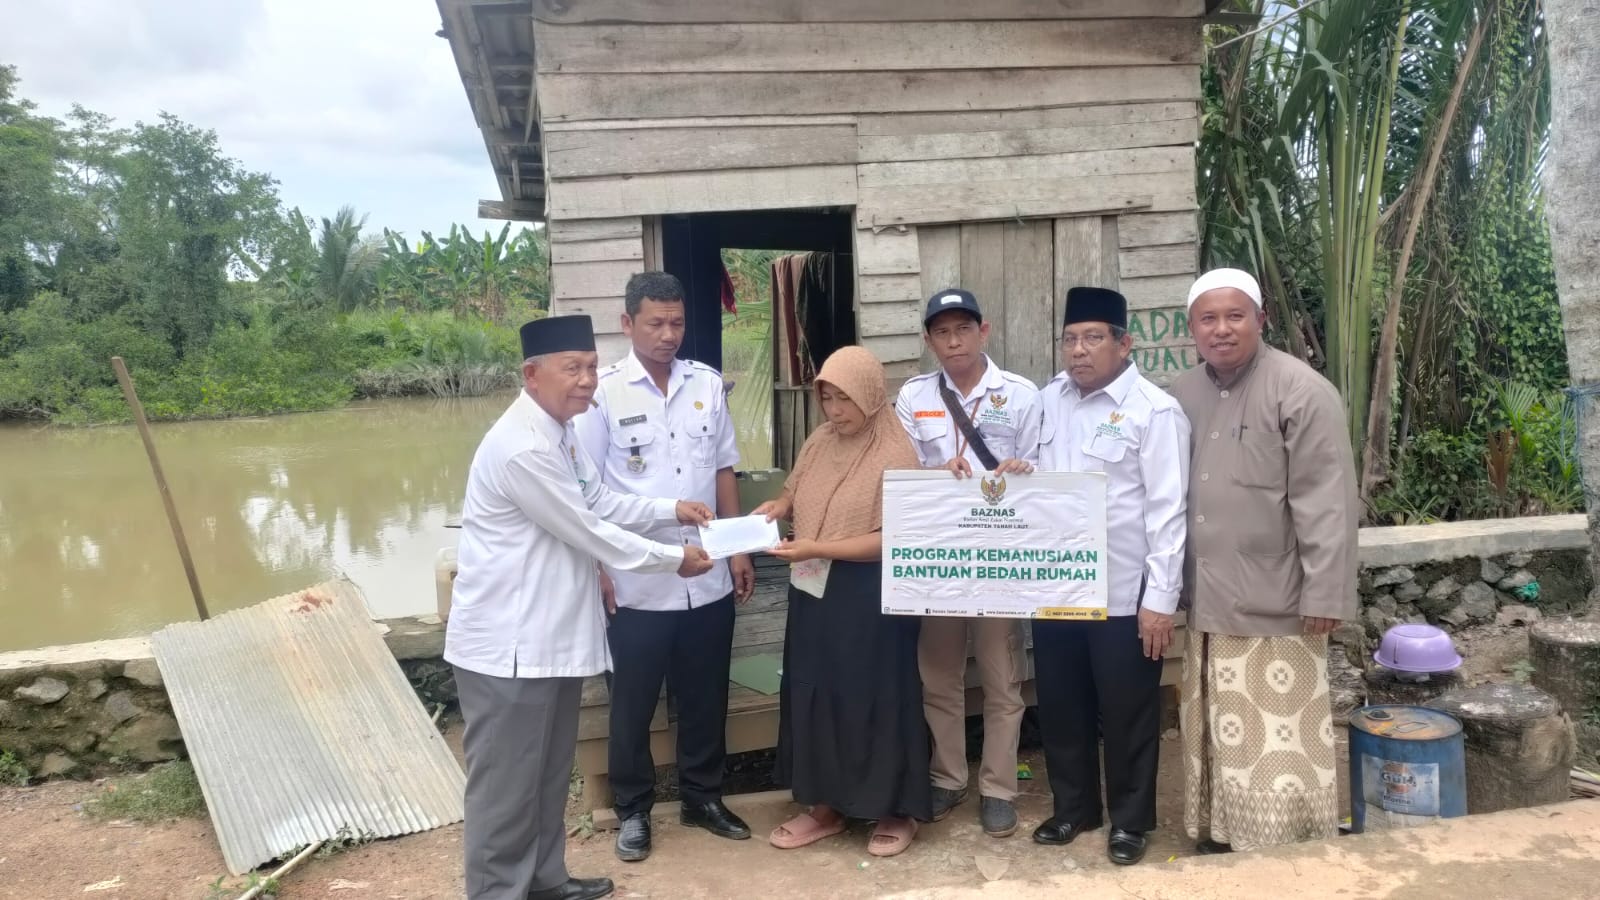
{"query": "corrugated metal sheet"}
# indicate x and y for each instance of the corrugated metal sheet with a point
(302, 727)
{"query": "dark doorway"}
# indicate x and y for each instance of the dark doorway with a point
(692, 248)
(812, 315)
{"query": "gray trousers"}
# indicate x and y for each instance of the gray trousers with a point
(520, 737)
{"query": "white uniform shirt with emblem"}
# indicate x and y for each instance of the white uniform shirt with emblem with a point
(662, 446)
(1138, 436)
(526, 599)
(1004, 407)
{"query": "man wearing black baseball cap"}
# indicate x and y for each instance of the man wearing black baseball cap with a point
(970, 416)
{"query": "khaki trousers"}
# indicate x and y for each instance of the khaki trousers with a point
(1002, 665)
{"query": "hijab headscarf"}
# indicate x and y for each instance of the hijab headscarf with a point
(837, 483)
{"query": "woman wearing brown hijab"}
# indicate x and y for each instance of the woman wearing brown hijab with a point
(851, 738)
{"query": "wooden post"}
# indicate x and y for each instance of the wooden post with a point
(1566, 665)
(1519, 746)
(161, 483)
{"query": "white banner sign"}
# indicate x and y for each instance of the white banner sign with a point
(1012, 546)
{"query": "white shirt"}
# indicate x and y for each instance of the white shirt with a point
(1138, 436)
(526, 600)
(662, 446)
(1004, 407)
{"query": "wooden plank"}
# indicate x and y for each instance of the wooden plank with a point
(939, 248)
(582, 280)
(983, 272)
(866, 46)
(1179, 259)
(894, 348)
(889, 252)
(575, 229)
(1166, 327)
(1110, 266)
(1029, 311)
(612, 347)
(1028, 142)
(888, 288)
(1083, 164)
(878, 319)
(653, 11)
(638, 151)
(689, 192)
(1164, 364)
(776, 121)
(760, 628)
(597, 251)
(1023, 199)
(512, 210)
(807, 93)
(1078, 243)
(605, 311)
(1158, 229)
(1156, 291)
(1023, 119)
(654, 253)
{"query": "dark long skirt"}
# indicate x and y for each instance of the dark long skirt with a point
(851, 733)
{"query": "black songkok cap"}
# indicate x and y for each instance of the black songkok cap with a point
(1093, 304)
(556, 334)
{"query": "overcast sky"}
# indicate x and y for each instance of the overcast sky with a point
(343, 101)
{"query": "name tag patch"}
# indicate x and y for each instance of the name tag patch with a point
(632, 420)
(929, 414)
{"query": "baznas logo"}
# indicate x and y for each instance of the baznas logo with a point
(997, 401)
(994, 489)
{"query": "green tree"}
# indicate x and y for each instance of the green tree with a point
(187, 217)
(30, 198)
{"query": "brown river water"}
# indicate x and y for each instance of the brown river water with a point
(269, 505)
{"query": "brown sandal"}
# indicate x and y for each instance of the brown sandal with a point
(892, 837)
(804, 830)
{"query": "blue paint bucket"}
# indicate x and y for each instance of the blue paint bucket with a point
(1407, 767)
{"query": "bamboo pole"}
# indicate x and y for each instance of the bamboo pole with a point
(161, 483)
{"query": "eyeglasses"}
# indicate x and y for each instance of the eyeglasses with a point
(1089, 341)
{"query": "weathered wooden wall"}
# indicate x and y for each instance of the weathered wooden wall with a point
(1014, 148)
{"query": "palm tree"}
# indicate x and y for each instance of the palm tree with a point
(1573, 200)
(346, 264)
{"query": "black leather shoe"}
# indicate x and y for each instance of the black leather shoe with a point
(1126, 847)
(575, 889)
(1208, 847)
(1058, 833)
(715, 818)
(633, 839)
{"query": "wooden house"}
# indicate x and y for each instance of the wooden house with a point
(1011, 147)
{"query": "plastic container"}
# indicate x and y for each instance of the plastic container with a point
(444, 576)
(1417, 649)
(1407, 767)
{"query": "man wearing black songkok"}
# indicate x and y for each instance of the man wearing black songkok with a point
(1101, 676)
(526, 620)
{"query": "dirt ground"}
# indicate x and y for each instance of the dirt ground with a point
(50, 849)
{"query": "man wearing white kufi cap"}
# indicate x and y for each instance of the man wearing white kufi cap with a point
(1269, 572)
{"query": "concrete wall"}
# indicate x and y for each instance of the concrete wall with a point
(85, 708)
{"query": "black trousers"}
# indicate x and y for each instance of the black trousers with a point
(689, 649)
(1093, 678)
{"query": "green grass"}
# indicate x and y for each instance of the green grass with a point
(166, 792)
(12, 771)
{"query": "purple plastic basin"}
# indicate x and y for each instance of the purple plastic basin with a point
(1417, 648)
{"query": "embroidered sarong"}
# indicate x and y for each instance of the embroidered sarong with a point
(1258, 740)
